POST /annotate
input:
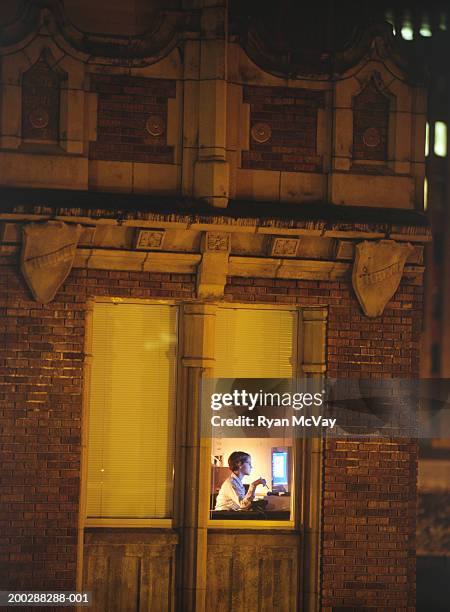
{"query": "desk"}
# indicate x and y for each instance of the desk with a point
(250, 515)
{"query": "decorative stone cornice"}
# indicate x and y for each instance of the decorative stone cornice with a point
(215, 245)
(375, 40)
(48, 17)
(322, 220)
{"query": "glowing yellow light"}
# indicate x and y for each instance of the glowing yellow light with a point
(425, 194)
(440, 139)
(407, 31)
(425, 30)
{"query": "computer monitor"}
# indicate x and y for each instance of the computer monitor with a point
(280, 470)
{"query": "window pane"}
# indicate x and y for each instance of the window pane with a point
(425, 194)
(132, 406)
(440, 138)
(253, 343)
(407, 31)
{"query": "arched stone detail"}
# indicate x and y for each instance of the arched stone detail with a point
(41, 93)
(49, 18)
(371, 109)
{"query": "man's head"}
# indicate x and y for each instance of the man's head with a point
(240, 462)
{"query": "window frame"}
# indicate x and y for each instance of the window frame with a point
(299, 445)
(296, 448)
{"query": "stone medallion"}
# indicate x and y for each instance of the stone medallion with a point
(371, 137)
(39, 118)
(261, 132)
(155, 125)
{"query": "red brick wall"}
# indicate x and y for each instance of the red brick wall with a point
(369, 509)
(291, 115)
(125, 104)
(369, 492)
(40, 418)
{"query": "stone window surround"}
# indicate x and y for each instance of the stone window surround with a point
(196, 359)
(310, 363)
(72, 103)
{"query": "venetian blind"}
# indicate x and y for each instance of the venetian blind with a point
(252, 343)
(132, 411)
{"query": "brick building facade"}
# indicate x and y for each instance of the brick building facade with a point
(202, 175)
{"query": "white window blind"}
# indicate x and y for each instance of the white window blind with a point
(252, 343)
(132, 411)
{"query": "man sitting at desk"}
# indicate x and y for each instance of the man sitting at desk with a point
(232, 495)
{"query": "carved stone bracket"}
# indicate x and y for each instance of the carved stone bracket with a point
(213, 269)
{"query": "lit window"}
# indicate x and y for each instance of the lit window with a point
(425, 194)
(254, 344)
(427, 139)
(132, 411)
(407, 31)
(245, 349)
(440, 138)
(425, 29)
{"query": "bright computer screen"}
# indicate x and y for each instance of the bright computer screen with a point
(279, 468)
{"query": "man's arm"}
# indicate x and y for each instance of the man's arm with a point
(246, 501)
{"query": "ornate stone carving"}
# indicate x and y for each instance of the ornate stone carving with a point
(370, 123)
(216, 241)
(48, 251)
(284, 247)
(261, 132)
(213, 269)
(149, 239)
(39, 118)
(155, 125)
(40, 101)
(371, 137)
(377, 273)
(162, 33)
